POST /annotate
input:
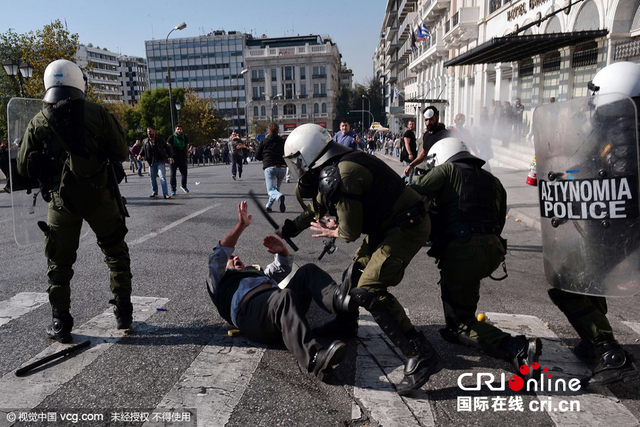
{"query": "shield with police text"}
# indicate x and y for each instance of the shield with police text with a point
(587, 161)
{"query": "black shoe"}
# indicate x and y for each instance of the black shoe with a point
(166, 196)
(326, 359)
(140, 174)
(153, 194)
(419, 368)
(7, 189)
(282, 206)
(239, 175)
(614, 365)
(234, 177)
(342, 301)
(344, 327)
(523, 351)
(268, 210)
(123, 310)
(60, 328)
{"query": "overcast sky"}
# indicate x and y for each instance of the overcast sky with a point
(123, 26)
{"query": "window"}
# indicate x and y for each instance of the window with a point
(255, 111)
(316, 89)
(289, 110)
(274, 75)
(323, 88)
(316, 71)
(304, 108)
(274, 90)
(303, 90)
(255, 92)
(274, 113)
(263, 111)
(303, 73)
(288, 90)
(324, 107)
(287, 73)
(316, 109)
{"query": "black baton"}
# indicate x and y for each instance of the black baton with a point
(51, 357)
(271, 221)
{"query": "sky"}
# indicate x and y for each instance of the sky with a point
(123, 26)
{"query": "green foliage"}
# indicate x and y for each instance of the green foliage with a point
(350, 99)
(201, 120)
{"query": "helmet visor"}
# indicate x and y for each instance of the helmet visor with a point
(296, 166)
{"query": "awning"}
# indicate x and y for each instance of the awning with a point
(426, 101)
(516, 48)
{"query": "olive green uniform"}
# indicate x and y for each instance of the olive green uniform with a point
(79, 191)
(385, 255)
(463, 263)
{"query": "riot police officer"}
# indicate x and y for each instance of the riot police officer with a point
(591, 243)
(67, 147)
(468, 213)
(366, 197)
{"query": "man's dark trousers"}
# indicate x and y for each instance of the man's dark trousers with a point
(182, 165)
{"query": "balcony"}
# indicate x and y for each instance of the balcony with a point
(406, 6)
(462, 27)
(258, 98)
(257, 79)
(428, 51)
(319, 95)
(319, 76)
(302, 96)
(405, 27)
(432, 10)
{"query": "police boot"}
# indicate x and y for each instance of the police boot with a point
(60, 328)
(421, 363)
(422, 359)
(586, 352)
(522, 351)
(123, 310)
(614, 365)
(326, 359)
(342, 301)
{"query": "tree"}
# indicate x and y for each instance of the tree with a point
(154, 109)
(201, 119)
(128, 116)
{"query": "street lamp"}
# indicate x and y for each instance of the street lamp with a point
(242, 73)
(139, 129)
(278, 96)
(180, 26)
(178, 107)
(25, 71)
(369, 110)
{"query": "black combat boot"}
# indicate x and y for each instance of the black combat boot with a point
(123, 310)
(586, 352)
(326, 359)
(522, 351)
(420, 366)
(60, 328)
(614, 365)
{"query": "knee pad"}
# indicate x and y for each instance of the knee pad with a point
(106, 242)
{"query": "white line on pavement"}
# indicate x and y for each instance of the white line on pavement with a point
(27, 392)
(20, 304)
(377, 365)
(595, 409)
(170, 226)
(216, 380)
(634, 326)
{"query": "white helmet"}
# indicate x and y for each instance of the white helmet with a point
(63, 80)
(619, 77)
(310, 146)
(449, 150)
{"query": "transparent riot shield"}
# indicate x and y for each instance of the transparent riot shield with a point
(28, 205)
(587, 160)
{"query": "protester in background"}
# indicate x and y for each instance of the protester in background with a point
(4, 164)
(135, 151)
(346, 136)
(178, 143)
(154, 152)
(270, 151)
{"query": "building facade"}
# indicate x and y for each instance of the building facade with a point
(134, 78)
(104, 74)
(498, 50)
(210, 65)
(292, 80)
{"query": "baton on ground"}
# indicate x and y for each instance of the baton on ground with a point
(53, 356)
(271, 221)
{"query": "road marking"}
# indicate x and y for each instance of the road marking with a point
(20, 304)
(634, 326)
(595, 409)
(29, 391)
(170, 226)
(377, 367)
(216, 380)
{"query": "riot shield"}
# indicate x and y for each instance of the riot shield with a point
(587, 160)
(28, 205)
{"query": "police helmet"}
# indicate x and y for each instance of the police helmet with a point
(449, 150)
(308, 147)
(619, 77)
(63, 80)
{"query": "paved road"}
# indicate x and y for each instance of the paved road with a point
(181, 364)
